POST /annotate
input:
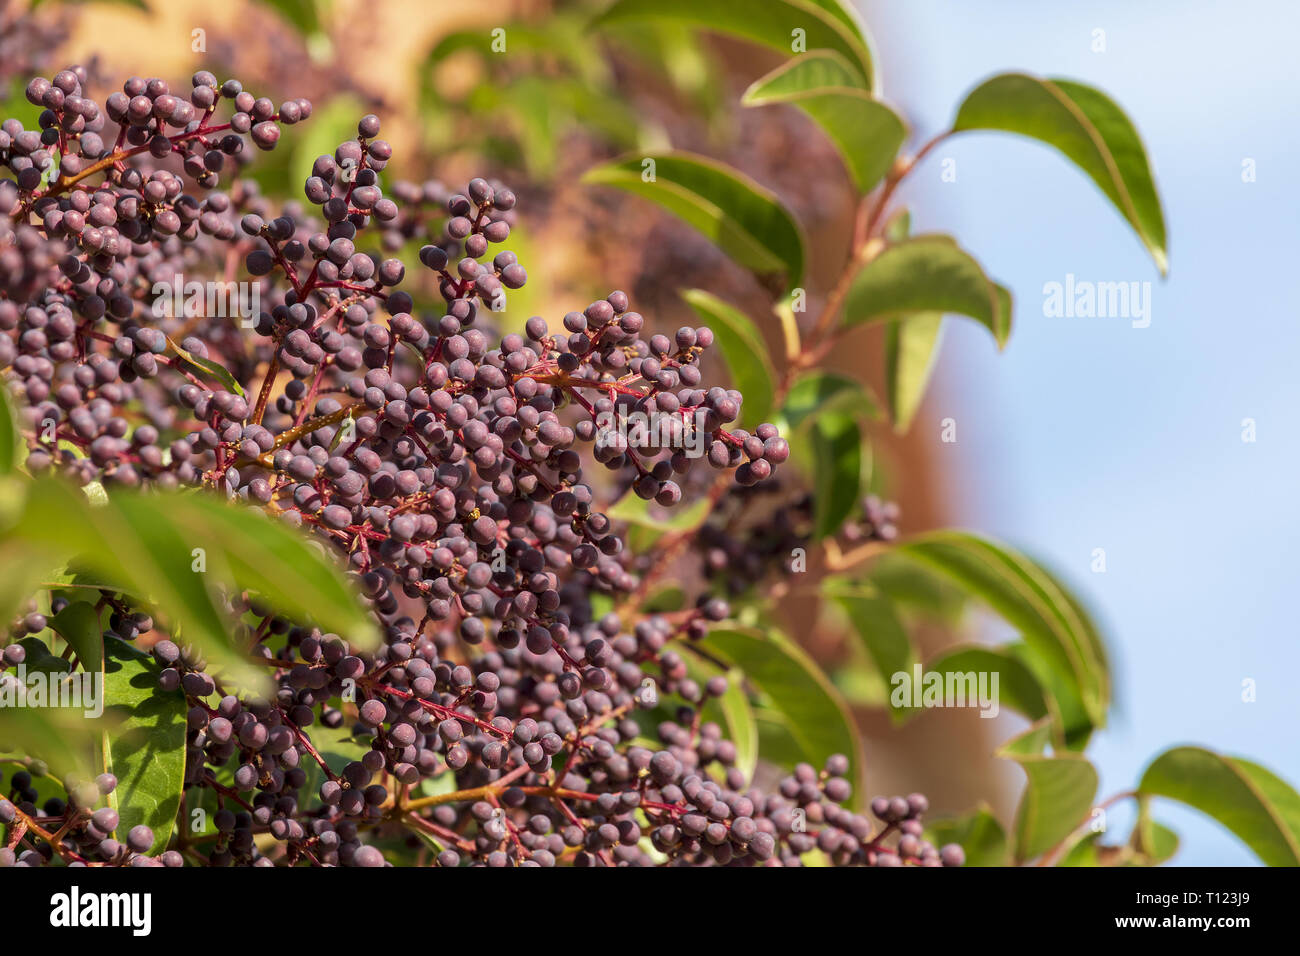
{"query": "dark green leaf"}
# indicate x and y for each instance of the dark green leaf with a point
(78, 624)
(745, 353)
(837, 453)
(1089, 128)
(927, 274)
(1254, 803)
(746, 220)
(145, 749)
(822, 84)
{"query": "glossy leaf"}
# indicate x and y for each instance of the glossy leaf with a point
(867, 133)
(1089, 128)
(927, 274)
(837, 454)
(1260, 808)
(795, 686)
(744, 351)
(745, 220)
(978, 833)
(1048, 620)
(78, 624)
(770, 23)
(911, 351)
(146, 749)
(816, 393)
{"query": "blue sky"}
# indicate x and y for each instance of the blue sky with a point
(1088, 433)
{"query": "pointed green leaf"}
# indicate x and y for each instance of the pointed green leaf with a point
(927, 274)
(1049, 621)
(867, 133)
(78, 624)
(215, 369)
(1260, 808)
(824, 24)
(1089, 128)
(746, 220)
(270, 558)
(744, 351)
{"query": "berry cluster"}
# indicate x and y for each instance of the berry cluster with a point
(443, 462)
(757, 532)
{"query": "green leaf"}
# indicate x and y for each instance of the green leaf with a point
(927, 274)
(215, 369)
(877, 625)
(78, 624)
(916, 589)
(1260, 808)
(744, 351)
(816, 393)
(301, 14)
(635, 510)
(837, 453)
(10, 438)
(146, 750)
(1018, 688)
(264, 555)
(1089, 128)
(732, 711)
(825, 23)
(822, 84)
(795, 686)
(41, 659)
(1035, 604)
(911, 349)
(746, 220)
(978, 833)
(1056, 801)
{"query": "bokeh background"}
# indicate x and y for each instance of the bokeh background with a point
(1082, 434)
